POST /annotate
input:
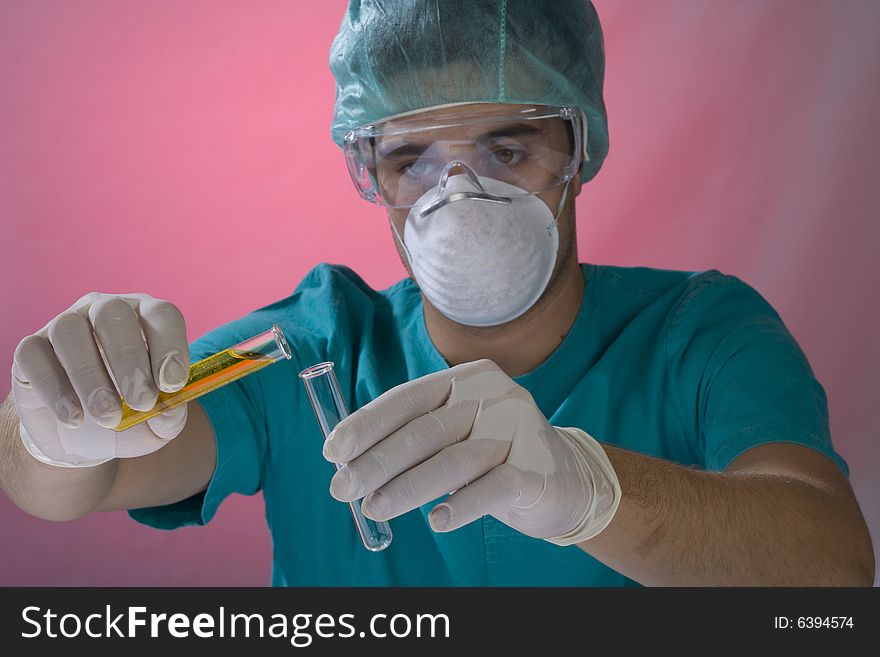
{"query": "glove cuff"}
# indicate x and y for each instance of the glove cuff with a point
(38, 454)
(600, 476)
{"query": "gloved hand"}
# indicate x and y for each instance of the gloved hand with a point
(472, 430)
(67, 399)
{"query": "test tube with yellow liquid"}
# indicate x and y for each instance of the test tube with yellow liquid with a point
(215, 371)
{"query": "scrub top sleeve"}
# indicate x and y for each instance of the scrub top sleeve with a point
(739, 377)
(237, 414)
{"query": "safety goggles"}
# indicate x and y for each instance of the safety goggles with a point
(535, 149)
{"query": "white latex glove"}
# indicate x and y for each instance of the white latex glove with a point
(67, 399)
(472, 430)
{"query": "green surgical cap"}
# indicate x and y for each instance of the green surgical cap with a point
(396, 56)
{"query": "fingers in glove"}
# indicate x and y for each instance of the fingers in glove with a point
(169, 424)
(384, 415)
(446, 471)
(498, 489)
(71, 336)
(407, 447)
(118, 329)
(165, 331)
(390, 411)
(36, 369)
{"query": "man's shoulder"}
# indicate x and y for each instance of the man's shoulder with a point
(712, 297)
(642, 282)
(685, 302)
(329, 299)
(335, 277)
(336, 287)
(685, 288)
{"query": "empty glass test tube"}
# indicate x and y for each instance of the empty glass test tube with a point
(329, 406)
(214, 371)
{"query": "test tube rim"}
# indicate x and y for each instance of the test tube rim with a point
(319, 369)
(281, 341)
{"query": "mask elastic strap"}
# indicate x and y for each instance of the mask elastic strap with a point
(402, 243)
(560, 206)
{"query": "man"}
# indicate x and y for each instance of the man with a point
(524, 419)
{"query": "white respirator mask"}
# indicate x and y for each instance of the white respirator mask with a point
(481, 250)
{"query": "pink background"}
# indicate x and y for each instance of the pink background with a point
(182, 149)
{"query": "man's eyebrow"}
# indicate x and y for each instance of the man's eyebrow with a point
(414, 148)
(516, 130)
(406, 148)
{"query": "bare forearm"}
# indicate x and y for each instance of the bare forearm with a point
(679, 526)
(42, 490)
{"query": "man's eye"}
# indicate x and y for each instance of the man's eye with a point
(507, 156)
(504, 156)
(414, 168)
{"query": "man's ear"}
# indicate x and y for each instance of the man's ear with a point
(576, 183)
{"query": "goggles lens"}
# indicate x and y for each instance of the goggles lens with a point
(394, 163)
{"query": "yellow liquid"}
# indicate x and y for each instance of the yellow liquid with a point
(204, 376)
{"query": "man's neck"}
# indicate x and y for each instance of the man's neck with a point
(519, 346)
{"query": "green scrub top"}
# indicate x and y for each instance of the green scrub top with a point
(693, 368)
